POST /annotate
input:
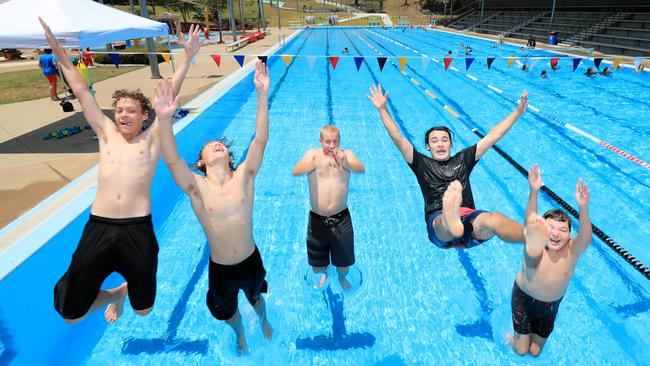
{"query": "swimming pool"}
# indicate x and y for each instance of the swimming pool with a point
(417, 304)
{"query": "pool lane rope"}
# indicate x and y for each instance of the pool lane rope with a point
(548, 116)
(622, 252)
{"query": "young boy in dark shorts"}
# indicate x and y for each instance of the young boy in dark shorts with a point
(550, 258)
(223, 202)
(119, 235)
(329, 231)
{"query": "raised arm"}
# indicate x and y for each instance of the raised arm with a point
(93, 114)
(256, 149)
(165, 105)
(379, 100)
(584, 237)
(500, 130)
(306, 165)
(535, 183)
(191, 46)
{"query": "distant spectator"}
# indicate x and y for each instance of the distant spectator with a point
(47, 63)
(531, 42)
(87, 57)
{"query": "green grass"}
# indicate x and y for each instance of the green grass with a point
(19, 86)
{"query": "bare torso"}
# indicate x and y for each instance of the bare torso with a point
(225, 212)
(328, 185)
(550, 279)
(126, 169)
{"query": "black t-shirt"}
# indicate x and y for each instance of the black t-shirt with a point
(434, 177)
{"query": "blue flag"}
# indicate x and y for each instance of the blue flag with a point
(115, 57)
(468, 63)
(240, 59)
(576, 62)
(358, 61)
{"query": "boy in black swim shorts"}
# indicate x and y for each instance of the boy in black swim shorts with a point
(329, 232)
(550, 258)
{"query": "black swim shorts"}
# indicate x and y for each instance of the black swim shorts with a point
(530, 315)
(330, 234)
(126, 246)
(225, 281)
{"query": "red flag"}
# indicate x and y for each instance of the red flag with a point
(334, 60)
(217, 59)
(554, 62)
(448, 61)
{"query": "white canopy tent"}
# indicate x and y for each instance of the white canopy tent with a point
(75, 23)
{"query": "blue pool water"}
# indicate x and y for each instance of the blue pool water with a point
(417, 304)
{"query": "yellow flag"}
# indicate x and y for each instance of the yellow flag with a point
(136, 42)
(166, 56)
(287, 59)
(510, 61)
(617, 61)
(402, 62)
(83, 71)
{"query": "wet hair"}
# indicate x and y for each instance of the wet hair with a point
(438, 128)
(330, 128)
(47, 51)
(558, 215)
(145, 103)
(227, 143)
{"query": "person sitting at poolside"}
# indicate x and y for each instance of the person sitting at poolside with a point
(590, 72)
(606, 72)
(451, 217)
(222, 201)
(119, 235)
(550, 258)
(329, 231)
(543, 74)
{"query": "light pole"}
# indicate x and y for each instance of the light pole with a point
(153, 59)
(231, 15)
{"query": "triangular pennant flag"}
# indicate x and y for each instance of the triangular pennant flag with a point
(166, 57)
(382, 62)
(425, 63)
(136, 43)
(217, 59)
(510, 61)
(637, 63)
(240, 59)
(448, 61)
(554, 62)
(81, 67)
(115, 57)
(287, 59)
(402, 62)
(576, 62)
(334, 60)
(263, 58)
(597, 62)
(490, 60)
(357, 62)
(468, 62)
(617, 63)
(311, 60)
(533, 63)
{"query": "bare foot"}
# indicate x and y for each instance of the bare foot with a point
(114, 310)
(267, 329)
(242, 346)
(451, 201)
(344, 283)
(536, 232)
(322, 281)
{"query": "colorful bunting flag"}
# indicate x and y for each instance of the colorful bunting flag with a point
(263, 58)
(311, 60)
(510, 61)
(382, 62)
(115, 57)
(447, 61)
(468, 62)
(597, 62)
(425, 63)
(81, 67)
(576, 62)
(617, 63)
(240, 59)
(490, 60)
(166, 56)
(287, 59)
(357, 62)
(554, 62)
(136, 42)
(402, 62)
(334, 60)
(217, 59)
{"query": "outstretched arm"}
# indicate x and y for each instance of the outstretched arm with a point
(535, 183)
(501, 128)
(257, 146)
(165, 105)
(584, 237)
(379, 100)
(93, 114)
(191, 46)
(306, 165)
(535, 242)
